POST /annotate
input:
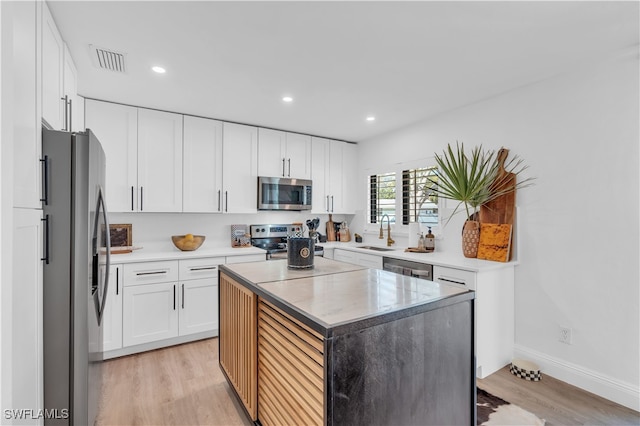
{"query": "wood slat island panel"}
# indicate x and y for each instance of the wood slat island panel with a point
(238, 340)
(290, 370)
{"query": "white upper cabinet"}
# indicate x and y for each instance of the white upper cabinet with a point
(53, 107)
(27, 134)
(116, 126)
(298, 156)
(74, 113)
(159, 161)
(283, 154)
(62, 109)
(240, 171)
(333, 174)
(202, 165)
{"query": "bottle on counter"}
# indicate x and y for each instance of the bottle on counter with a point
(430, 241)
(421, 245)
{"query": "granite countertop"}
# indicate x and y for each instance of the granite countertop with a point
(334, 293)
(277, 270)
(159, 251)
(451, 260)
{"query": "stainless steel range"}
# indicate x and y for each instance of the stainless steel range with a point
(273, 239)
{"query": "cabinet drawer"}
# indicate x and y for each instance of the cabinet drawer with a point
(192, 269)
(150, 272)
(456, 277)
(344, 256)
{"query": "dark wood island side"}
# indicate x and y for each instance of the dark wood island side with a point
(343, 345)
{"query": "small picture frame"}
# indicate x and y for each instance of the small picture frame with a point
(121, 235)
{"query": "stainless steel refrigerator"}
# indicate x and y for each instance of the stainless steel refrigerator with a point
(76, 275)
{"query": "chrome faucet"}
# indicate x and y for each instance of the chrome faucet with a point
(389, 239)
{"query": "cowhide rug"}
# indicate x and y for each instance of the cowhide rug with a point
(496, 411)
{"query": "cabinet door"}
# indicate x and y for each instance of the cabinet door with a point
(75, 106)
(52, 78)
(198, 305)
(116, 127)
(26, 314)
(298, 156)
(112, 319)
(202, 177)
(345, 256)
(159, 161)
(150, 313)
(271, 153)
(27, 133)
(319, 174)
(345, 200)
(240, 172)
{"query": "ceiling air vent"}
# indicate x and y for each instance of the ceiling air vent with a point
(107, 59)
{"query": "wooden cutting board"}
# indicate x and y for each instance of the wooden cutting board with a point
(502, 209)
(495, 241)
(331, 230)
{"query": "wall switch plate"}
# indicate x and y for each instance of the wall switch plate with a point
(565, 335)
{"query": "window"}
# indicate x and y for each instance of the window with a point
(419, 201)
(382, 199)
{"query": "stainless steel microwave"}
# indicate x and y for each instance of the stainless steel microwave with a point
(275, 193)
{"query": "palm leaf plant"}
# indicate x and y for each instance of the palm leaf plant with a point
(473, 179)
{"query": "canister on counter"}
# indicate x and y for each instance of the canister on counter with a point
(300, 252)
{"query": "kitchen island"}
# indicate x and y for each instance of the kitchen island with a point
(343, 344)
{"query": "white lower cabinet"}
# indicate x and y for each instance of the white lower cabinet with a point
(112, 319)
(149, 313)
(199, 295)
(161, 303)
(494, 313)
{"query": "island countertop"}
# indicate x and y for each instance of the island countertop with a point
(334, 295)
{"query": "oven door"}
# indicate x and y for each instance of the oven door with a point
(284, 194)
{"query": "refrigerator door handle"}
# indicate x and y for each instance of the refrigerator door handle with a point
(100, 299)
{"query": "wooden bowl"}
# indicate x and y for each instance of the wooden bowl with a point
(187, 242)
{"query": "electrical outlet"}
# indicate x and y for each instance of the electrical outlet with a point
(565, 335)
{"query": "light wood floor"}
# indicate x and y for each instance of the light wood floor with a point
(183, 385)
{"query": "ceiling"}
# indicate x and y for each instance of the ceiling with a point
(341, 61)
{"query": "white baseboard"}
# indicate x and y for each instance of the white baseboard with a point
(607, 387)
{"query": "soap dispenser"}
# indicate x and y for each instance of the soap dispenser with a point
(421, 246)
(430, 241)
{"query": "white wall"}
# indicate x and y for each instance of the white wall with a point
(156, 228)
(579, 225)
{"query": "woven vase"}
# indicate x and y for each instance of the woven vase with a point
(470, 238)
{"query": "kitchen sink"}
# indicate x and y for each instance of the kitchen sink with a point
(376, 248)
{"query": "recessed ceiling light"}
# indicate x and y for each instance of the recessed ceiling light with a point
(370, 118)
(287, 99)
(159, 70)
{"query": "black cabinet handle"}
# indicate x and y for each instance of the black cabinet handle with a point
(45, 180)
(182, 296)
(283, 167)
(132, 198)
(289, 174)
(174, 297)
(141, 197)
(332, 203)
(203, 268)
(151, 273)
(219, 198)
(46, 239)
(328, 203)
(226, 201)
(117, 281)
